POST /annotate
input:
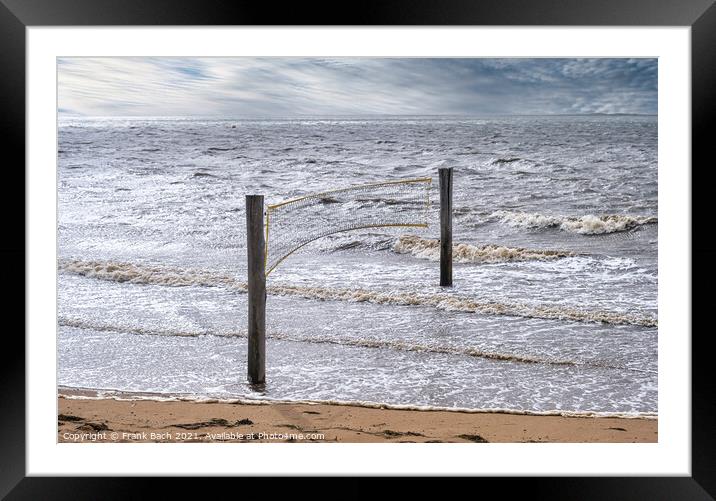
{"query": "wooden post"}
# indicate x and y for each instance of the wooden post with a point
(445, 226)
(255, 248)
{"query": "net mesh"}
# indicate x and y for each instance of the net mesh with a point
(294, 223)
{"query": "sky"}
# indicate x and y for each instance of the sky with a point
(286, 87)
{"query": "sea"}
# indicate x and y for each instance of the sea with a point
(553, 309)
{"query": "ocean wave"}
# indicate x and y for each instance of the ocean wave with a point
(463, 304)
(585, 225)
(428, 248)
(396, 345)
(359, 343)
(78, 323)
(505, 160)
(73, 393)
(364, 241)
(177, 277)
(147, 274)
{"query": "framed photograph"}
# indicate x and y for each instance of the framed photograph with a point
(461, 234)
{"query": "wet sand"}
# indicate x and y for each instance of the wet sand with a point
(118, 420)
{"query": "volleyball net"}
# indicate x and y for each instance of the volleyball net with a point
(295, 223)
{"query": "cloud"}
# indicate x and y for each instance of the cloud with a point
(254, 87)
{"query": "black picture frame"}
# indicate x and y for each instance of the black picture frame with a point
(700, 15)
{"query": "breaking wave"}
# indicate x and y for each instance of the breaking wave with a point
(333, 340)
(585, 225)
(463, 304)
(178, 277)
(147, 274)
(77, 393)
(429, 248)
(507, 160)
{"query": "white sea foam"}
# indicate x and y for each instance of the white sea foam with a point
(119, 395)
(464, 304)
(585, 225)
(397, 345)
(429, 248)
(175, 277)
(335, 340)
(149, 274)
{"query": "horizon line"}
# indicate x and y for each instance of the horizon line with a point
(327, 116)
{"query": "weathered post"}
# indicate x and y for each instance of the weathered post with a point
(255, 249)
(445, 226)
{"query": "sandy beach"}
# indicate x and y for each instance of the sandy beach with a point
(120, 420)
